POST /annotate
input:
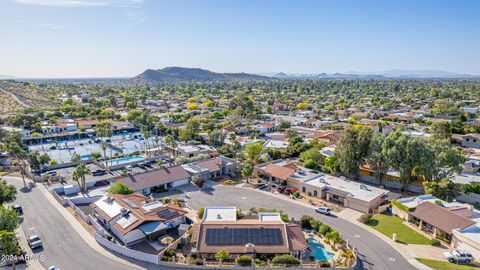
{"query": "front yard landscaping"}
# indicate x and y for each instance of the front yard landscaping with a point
(388, 225)
(444, 265)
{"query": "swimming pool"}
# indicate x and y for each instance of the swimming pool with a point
(123, 160)
(318, 251)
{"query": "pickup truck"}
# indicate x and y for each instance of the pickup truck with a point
(458, 256)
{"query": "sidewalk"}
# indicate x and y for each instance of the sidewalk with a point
(82, 232)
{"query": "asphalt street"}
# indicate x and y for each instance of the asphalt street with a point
(374, 252)
(62, 245)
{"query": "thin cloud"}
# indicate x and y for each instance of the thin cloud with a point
(82, 3)
(53, 26)
(136, 18)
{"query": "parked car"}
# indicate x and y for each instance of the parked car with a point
(141, 165)
(289, 190)
(53, 173)
(458, 256)
(34, 241)
(280, 189)
(323, 210)
(17, 208)
(129, 167)
(99, 172)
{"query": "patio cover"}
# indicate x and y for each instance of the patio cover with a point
(153, 227)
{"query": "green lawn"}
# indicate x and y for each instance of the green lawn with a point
(388, 225)
(444, 265)
(3, 173)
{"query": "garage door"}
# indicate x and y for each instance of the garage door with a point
(180, 182)
(464, 246)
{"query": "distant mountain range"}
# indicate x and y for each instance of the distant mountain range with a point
(7, 77)
(182, 74)
(394, 73)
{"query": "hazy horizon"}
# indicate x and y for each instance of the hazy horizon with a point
(122, 38)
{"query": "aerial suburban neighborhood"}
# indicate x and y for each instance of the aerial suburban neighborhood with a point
(141, 134)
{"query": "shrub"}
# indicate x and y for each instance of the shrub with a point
(200, 213)
(119, 188)
(305, 221)
(324, 229)
(244, 260)
(400, 206)
(222, 255)
(166, 200)
(296, 194)
(170, 252)
(287, 260)
(435, 242)
(315, 224)
(309, 194)
(259, 262)
(229, 182)
(365, 218)
(199, 261)
(283, 183)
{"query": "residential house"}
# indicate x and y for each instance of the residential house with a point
(471, 140)
(261, 236)
(166, 178)
(212, 168)
(134, 218)
(351, 194)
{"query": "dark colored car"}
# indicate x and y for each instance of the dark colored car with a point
(17, 208)
(281, 189)
(99, 172)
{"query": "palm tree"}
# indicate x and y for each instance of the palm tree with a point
(146, 135)
(104, 130)
(172, 144)
(79, 173)
(247, 171)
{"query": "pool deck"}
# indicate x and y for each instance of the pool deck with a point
(319, 240)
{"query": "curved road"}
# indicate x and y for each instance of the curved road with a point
(374, 252)
(64, 248)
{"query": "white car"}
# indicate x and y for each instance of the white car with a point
(458, 256)
(323, 210)
(34, 241)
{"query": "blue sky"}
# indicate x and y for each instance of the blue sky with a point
(98, 38)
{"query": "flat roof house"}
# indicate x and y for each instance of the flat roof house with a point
(351, 194)
(264, 236)
(167, 178)
(471, 140)
(133, 218)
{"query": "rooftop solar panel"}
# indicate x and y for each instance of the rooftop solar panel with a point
(241, 236)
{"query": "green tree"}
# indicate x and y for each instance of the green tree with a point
(376, 157)
(7, 192)
(252, 152)
(120, 188)
(247, 171)
(79, 174)
(444, 189)
(353, 148)
(9, 246)
(9, 219)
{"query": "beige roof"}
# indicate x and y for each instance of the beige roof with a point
(440, 217)
(279, 172)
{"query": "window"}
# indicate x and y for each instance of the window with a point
(315, 193)
(474, 140)
(468, 139)
(304, 189)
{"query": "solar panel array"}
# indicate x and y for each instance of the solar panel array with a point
(242, 236)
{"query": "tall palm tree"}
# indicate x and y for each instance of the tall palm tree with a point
(80, 172)
(104, 130)
(172, 144)
(146, 135)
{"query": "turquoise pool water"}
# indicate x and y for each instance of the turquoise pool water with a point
(123, 160)
(318, 251)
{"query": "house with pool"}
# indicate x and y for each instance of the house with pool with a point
(260, 236)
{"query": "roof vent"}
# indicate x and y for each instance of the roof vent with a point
(219, 216)
(125, 211)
